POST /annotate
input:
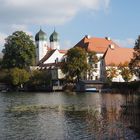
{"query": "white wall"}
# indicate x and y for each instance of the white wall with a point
(54, 56)
(41, 50)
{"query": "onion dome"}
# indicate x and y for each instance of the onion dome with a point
(41, 36)
(54, 37)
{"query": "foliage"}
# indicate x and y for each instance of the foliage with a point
(76, 64)
(111, 73)
(40, 79)
(125, 71)
(92, 60)
(0, 62)
(36, 108)
(4, 76)
(19, 76)
(135, 61)
(19, 51)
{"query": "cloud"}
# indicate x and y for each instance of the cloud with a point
(46, 11)
(20, 14)
(12, 28)
(2, 40)
(20, 27)
(2, 37)
(129, 42)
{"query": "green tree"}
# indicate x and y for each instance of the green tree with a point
(135, 61)
(19, 76)
(125, 71)
(76, 64)
(4, 76)
(40, 79)
(19, 51)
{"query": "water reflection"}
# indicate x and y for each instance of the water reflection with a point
(103, 123)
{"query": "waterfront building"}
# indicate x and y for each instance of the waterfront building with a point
(110, 55)
(49, 55)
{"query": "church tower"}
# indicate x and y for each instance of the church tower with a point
(54, 41)
(41, 45)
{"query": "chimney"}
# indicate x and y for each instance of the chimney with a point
(107, 38)
(111, 46)
(87, 36)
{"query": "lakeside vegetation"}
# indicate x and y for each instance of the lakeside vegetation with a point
(37, 108)
(19, 55)
(16, 73)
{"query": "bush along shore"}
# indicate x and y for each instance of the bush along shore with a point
(123, 87)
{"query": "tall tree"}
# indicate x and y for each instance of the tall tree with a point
(76, 63)
(19, 51)
(135, 61)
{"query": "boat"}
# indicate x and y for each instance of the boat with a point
(91, 90)
(4, 90)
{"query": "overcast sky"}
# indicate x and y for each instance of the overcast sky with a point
(72, 19)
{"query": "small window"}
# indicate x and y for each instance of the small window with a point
(96, 77)
(96, 65)
(56, 60)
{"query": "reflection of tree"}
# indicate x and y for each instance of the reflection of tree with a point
(107, 124)
(131, 112)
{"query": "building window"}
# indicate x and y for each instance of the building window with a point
(96, 77)
(56, 60)
(96, 65)
(91, 77)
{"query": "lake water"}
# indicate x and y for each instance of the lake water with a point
(53, 124)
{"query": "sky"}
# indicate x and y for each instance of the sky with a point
(72, 19)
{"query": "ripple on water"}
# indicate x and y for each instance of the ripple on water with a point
(61, 125)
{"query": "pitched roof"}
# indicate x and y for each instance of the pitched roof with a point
(58, 64)
(113, 53)
(98, 45)
(118, 55)
(49, 54)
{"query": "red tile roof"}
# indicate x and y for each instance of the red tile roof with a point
(63, 51)
(98, 45)
(118, 55)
